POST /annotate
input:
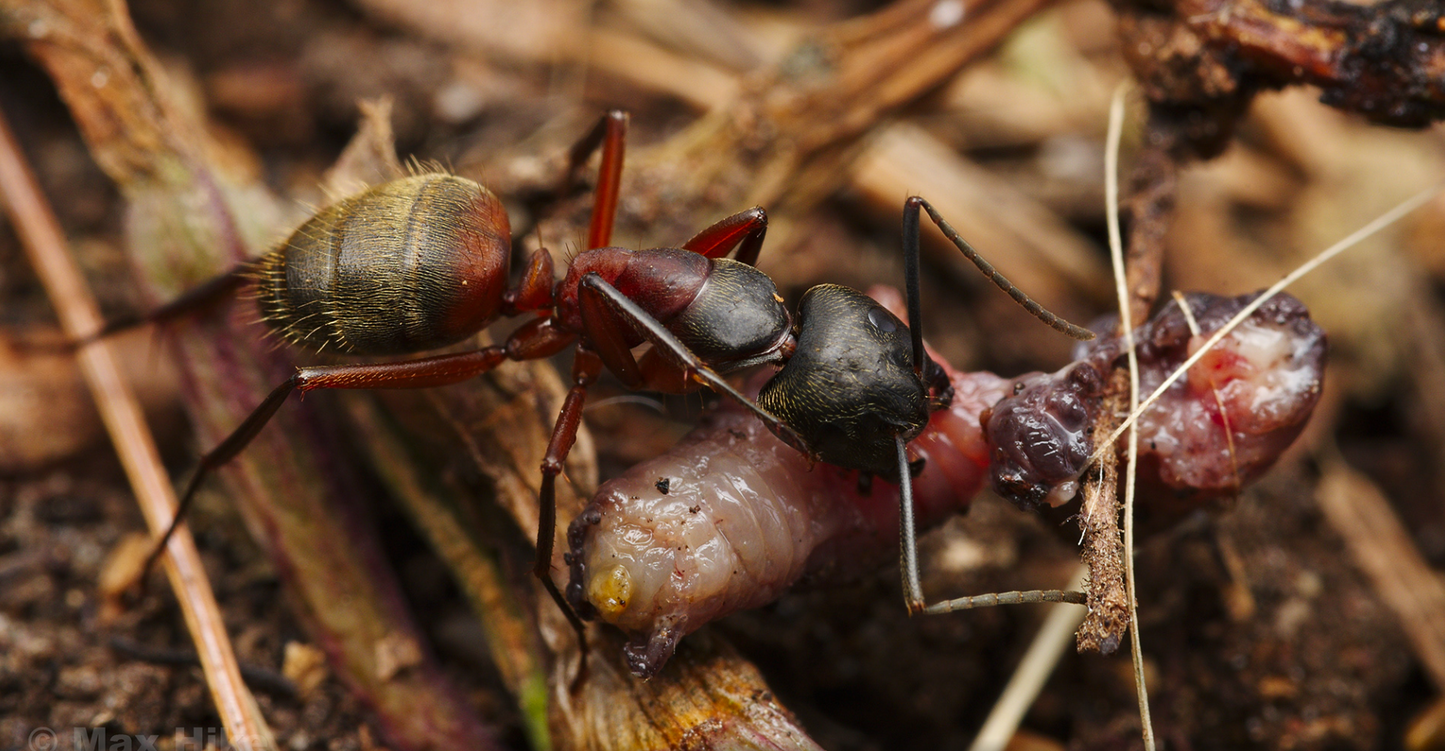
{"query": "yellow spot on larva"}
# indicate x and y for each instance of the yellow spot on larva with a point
(610, 590)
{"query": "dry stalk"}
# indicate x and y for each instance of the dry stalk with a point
(79, 315)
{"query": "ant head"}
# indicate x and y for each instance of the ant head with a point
(850, 388)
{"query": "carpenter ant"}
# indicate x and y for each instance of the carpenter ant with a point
(422, 262)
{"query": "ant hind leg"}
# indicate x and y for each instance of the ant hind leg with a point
(192, 300)
(409, 374)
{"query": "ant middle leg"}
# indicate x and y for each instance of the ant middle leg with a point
(586, 367)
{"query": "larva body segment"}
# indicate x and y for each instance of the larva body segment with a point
(732, 516)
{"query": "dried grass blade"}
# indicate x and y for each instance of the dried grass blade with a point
(79, 315)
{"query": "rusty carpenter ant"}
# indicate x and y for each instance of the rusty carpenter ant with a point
(422, 262)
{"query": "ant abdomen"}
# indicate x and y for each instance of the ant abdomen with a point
(406, 266)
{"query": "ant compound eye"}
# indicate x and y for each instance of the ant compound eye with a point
(882, 320)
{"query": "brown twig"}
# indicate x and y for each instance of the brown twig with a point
(1385, 552)
(1108, 617)
(79, 315)
(788, 139)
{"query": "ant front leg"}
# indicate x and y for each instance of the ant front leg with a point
(913, 591)
(1027, 597)
(910, 255)
(609, 316)
(908, 533)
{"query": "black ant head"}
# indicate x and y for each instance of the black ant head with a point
(850, 388)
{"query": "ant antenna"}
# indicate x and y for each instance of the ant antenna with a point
(908, 539)
(910, 254)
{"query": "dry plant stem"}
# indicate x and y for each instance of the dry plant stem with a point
(708, 698)
(1146, 282)
(651, 67)
(439, 514)
(701, 27)
(1386, 553)
(1109, 610)
(1032, 673)
(787, 140)
(192, 212)
(79, 315)
(1153, 186)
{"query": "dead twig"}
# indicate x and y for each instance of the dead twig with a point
(79, 315)
(1385, 552)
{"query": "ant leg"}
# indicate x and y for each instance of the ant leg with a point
(910, 254)
(610, 134)
(1029, 597)
(189, 301)
(908, 533)
(586, 367)
(908, 562)
(609, 316)
(411, 374)
(745, 227)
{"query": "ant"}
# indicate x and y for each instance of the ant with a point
(422, 262)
